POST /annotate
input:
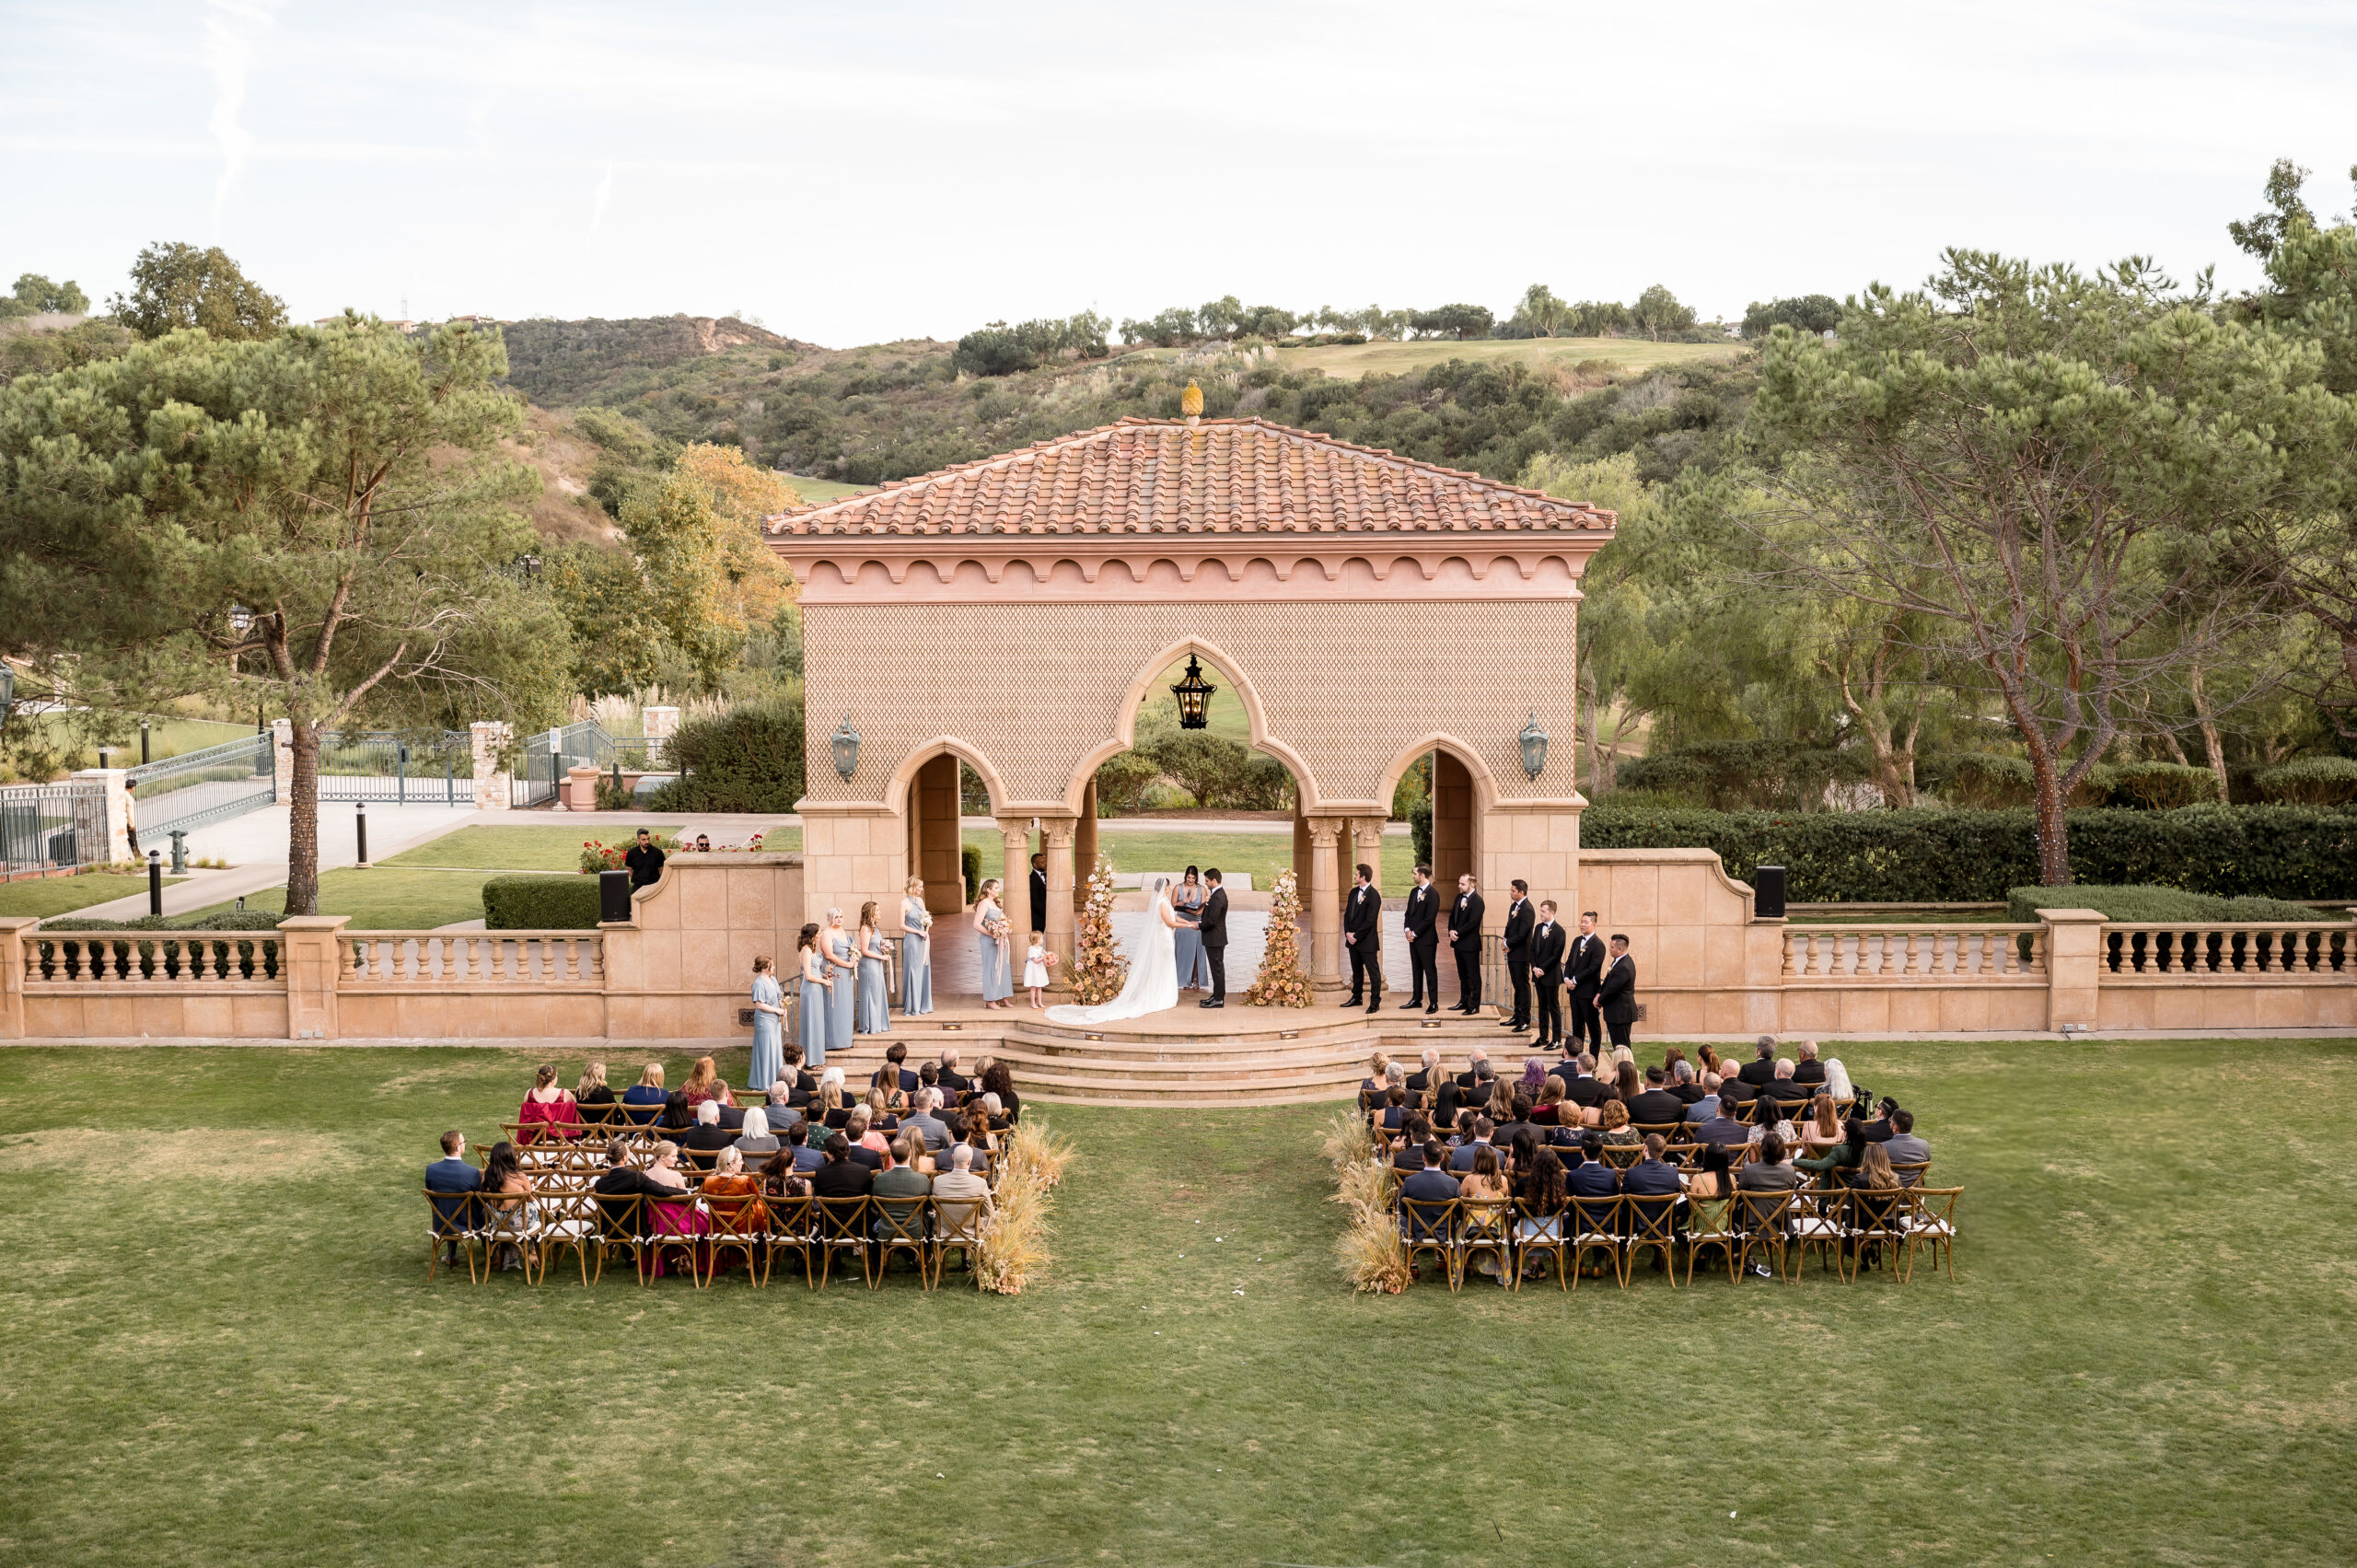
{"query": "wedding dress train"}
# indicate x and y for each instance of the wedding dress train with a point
(1154, 976)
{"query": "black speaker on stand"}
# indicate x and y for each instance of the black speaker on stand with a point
(613, 895)
(1767, 893)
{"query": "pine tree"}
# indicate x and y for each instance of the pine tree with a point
(1282, 981)
(1101, 971)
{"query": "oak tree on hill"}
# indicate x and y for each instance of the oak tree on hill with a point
(174, 286)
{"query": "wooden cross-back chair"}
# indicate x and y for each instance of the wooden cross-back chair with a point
(843, 1225)
(1429, 1225)
(1931, 1224)
(902, 1225)
(1595, 1225)
(451, 1226)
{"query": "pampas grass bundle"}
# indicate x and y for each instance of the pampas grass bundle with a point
(1015, 1238)
(1347, 1141)
(1369, 1247)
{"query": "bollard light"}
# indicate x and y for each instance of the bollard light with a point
(155, 883)
(360, 826)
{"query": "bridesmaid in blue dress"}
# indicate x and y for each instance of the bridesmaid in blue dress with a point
(845, 967)
(916, 953)
(769, 1027)
(1186, 941)
(994, 948)
(812, 1035)
(874, 1014)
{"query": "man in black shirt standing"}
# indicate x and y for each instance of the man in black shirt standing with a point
(645, 859)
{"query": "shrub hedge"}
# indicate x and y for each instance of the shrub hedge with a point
(528, 902)
(2311, 781)
(1930, 856)
(749, 758)
(2144, 901)
(970, 865)
(223, 920)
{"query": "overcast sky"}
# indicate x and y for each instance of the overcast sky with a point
(864, 171)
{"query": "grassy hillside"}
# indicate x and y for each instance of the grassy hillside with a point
(1596, 357)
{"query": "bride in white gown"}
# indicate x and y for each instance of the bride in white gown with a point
(1154, 972)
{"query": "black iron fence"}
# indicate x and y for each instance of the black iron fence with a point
(197, 788)
(49, 826)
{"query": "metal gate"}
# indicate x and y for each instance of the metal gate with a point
(547, 756)
(197, 788)
(47, 827)
(433, 767)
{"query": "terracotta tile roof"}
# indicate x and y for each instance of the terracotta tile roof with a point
(1217, 476)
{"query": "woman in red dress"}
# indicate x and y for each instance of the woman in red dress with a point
(548, 1108)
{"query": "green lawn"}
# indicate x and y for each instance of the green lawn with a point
(219, 1288)
(387, 897)
(527, 848)
(60, 895)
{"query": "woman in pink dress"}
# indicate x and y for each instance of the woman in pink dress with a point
(547, 1108)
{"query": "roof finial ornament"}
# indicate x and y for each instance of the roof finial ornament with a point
(1190, 402)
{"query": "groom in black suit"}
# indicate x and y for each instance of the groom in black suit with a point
(1212, 923)
(1465, 941)
(1520, 923)
(1586, 973)
(1363, 939)
(1546, 972)
(1422, 923)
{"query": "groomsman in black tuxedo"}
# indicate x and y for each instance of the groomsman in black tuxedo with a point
(1363, 939)
(1520, 922)
(1422, 924)
(1465, 941)
(1586, 973)
(1546, 972)
(1616, 999)
(1040, 892)
(1212, 923)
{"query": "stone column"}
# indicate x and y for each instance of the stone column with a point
(311, 958)
(113, 787)
(1062, 922)
(2073, 966)
(488, 740)
(14, 929)
(1084, 844)
(1366, 833)
(659, 725)
(1324, 907)
(1014, 833)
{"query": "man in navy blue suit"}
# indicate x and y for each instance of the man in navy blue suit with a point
(452, 1174)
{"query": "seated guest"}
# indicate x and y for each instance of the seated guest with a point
(783, 1119)
(1782, 1089)
(1371, 1087)
(1651, 1177)
(929, 1078)
(1540, 1191)
(664, 1169)
(1517, 1119)
(782, 1181)
(1501, 1106)
(1823, 1130)
(997, 1080)
(733, 1197)
(1534, 1077)
(1707, 1107)
(1903, 1147)
(1683, 1085)
(591, 1092)
(1424, 1082)
(452, 1174)
(1582, 1089)
(757, 1143)
(883, 1115)
(1655, 1106)
(647, 1095)
(1467, 1152)
(1708, 1060)
(1430, 1185)
(897, 1055)
(1734, 1095)
(1448, 1103)
(1587, 1175)
(953, 1082)
(1808, 1070)
(1762, 1065)
(1837, 1082)
(867, 1146)
(833, 1107)
(505, 1189)
(732, 1115)
(1394, 1117)
(923, 1121)
(1878, 1130)
(995, 1117)
(618, 1180)
(1614, 1119)
(704, 1082)
(801, 1086)
(677, 1116)
(809, 1152)
(1485, 1183)
(1843, 1157)
(1477, 1072)
(977, 1144)
(842, 1176)
(1627, 1084)
(1877, 1186)
(1771, 1172)
(959, 1184)
(1723, 1129)
(1548, 1111)
(1714, 1178)
(707, 1135)
(902, 1181)
(1409, 1152)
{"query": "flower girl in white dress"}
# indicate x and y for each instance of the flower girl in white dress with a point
(1035, 969)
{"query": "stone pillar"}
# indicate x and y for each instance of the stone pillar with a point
(115, 793)
(14, 929)
(1324, 907)
(488, 740)
(2074, 965)
(1063, 910)
(1366, 833)
(660, 725)
(311, 958)
(1014, 833)
(1083, 845)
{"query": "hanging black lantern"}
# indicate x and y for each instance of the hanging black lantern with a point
(1194, 695)
(1534, 746)
(846, 747)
